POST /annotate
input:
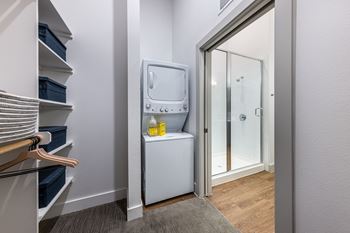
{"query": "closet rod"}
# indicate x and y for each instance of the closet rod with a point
(17, 145)
(26, 171)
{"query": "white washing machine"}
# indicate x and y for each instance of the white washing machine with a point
(167, 161)
(167, 166)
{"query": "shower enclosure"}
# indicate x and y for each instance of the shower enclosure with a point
(236, 112)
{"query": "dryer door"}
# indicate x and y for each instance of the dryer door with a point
(166, 83)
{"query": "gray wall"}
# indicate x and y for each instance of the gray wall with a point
(156, 29)
(98, 90)
(18, 75)
(322, 116)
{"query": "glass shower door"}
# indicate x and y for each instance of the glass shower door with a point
(235, 111)
(219, 112)
(244, 111)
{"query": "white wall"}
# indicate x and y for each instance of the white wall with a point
(156, 29)
(257, 41)
(322, 116)
(98, 90)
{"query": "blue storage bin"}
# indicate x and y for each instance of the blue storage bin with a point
(50, 183)
(52, 90)
(51, 40)
(58, 136)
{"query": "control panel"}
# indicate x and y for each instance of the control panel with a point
(161, 108)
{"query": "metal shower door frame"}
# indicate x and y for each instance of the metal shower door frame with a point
(229, 106)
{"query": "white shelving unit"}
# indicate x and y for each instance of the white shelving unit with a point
(50, 61)
(68, 144)
(33, 58)
(43, 211)
(54, 105)
(58, 149)
(49, 14)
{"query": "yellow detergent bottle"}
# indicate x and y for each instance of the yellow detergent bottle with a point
(152, 127)
(161, 128)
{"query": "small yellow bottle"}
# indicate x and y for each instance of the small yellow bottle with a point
(152, 127)
(161, 128)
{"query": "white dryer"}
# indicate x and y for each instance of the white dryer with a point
(167, 161)
(165, 93)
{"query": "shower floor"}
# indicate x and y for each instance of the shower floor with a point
(219, 163)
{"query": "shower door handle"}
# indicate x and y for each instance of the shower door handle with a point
(258, 112)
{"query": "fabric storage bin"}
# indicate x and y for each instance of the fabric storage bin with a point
(52, 90)
(58, 136)
(50, 183)
(51, 40)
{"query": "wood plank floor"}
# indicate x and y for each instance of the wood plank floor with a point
(248, 203)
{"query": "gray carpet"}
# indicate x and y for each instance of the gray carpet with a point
(190, 216)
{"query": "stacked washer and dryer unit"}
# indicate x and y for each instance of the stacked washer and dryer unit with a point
(167, 161)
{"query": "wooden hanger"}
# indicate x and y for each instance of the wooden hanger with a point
(56, 159)
(48, 157)
(39, 154)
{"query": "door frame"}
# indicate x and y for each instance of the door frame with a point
(245, 13)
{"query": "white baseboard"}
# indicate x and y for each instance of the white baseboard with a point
(135, 212)
(239, 173)
(271, 168)
(82, 203)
